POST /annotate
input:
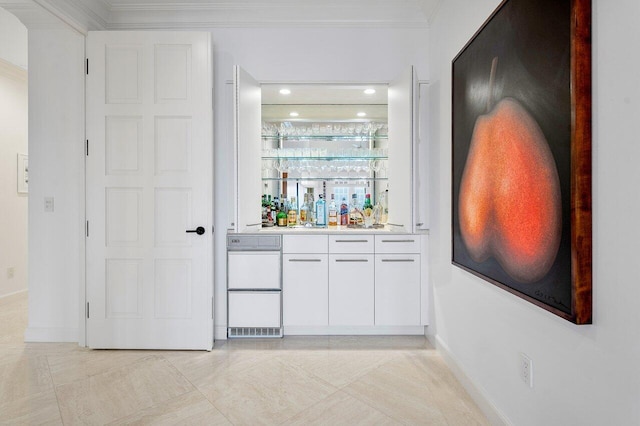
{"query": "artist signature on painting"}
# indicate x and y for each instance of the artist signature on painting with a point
(550, 299)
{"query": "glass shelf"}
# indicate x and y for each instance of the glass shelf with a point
(330, 137)
(332, 158)
(327, 179)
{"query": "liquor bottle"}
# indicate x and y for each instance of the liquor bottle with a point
(281, 217)
(333, 212)
(304, 211)
(367, 208)
(353, 210)
(292, 215)
(344, 212)
(321, 213)
(311, 208)
(269, 216)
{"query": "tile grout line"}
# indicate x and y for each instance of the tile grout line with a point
(55, 389)
(199, 391)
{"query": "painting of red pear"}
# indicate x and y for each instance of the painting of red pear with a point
(509, 203)
(521, 154)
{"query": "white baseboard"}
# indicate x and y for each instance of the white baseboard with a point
(10, 297)
(291, 330)
(220, 332)
(477, 393)
(46, 334)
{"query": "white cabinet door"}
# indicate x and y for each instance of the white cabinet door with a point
(422, 168)
(403, 124)
(397, 291)
(351, 289)
(149, 171)
(305, 290)
(247, 98)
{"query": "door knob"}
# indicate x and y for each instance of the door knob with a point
(199, 230)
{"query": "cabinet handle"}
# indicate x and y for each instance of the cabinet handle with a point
(352, 260)
(398, 260)
(352, 241)
(305, 260)
(398, 241)
(255, 224)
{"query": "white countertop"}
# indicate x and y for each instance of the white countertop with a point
(387, 229)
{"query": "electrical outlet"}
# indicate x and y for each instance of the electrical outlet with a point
(48, 204)
(11, 272)
(526, 369)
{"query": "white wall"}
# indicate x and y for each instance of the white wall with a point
(13, 40)
(13, 141)
(56, 89)
(56, 161)
(587, 375)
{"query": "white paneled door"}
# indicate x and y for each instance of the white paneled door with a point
(149, 170)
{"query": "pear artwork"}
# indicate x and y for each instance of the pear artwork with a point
(509, 201)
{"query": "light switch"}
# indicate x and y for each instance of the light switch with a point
(48, 204)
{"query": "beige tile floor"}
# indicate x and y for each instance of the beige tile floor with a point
(291, 381)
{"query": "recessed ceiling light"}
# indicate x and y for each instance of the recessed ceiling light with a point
(293, 114)
(285, 91)
(362, 114)
(370, 91)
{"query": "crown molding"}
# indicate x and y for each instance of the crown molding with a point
(31, 14)
(280, 13)
(86, 15)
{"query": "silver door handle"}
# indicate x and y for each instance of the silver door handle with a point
(255, 224)
(352, 260)
(305, 260)
(352, 241)
(398, 241)
(398, 260)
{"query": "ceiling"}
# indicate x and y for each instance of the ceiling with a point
(324, 102)
(87, 15)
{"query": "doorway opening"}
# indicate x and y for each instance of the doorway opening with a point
(13, 178)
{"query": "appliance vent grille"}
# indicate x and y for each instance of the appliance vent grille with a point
(255, 332)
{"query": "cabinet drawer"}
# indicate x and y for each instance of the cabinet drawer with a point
(351, 244)
(251, 270)
(406, 243)
(254, 309)
(305, 244)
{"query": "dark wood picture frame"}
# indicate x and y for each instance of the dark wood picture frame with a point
(536, 53)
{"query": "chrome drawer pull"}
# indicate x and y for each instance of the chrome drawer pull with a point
(255, 224)
(305, 260)
(352, 260)
(352, 241)
(398, 260)
(398, 241)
